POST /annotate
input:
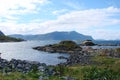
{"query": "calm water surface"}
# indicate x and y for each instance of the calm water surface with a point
(24, 51)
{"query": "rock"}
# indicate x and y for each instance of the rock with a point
(51, 71)
(67, 78)
(80, 57)
(41, 68)
(88, 43)
(62, 57)
(41, 78)
(21, 65)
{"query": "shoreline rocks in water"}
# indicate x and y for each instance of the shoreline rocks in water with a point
(63, 47)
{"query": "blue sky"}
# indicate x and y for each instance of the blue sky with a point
(98, 18)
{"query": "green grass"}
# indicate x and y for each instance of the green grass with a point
(106, 69)
(32, 75)
(16, 76)
(105, 60)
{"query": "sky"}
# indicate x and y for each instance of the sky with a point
(97, 18)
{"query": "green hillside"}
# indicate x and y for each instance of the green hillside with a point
(4, 38)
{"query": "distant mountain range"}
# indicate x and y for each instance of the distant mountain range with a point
(73, 35)
(4, 38)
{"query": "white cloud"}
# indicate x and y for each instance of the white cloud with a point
(85, 19)
(9, 7)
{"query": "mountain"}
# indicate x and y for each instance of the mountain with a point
(1, 33)
(55, 36)
(4, 38)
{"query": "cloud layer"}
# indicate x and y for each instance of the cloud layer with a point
(89, 22)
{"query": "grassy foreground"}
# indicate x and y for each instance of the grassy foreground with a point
(104, 69)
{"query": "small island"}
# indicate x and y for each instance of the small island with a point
(66, 46)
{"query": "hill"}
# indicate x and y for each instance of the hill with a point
(54, 36)
(4, 38)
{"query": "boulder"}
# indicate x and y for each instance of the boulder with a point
(88, 43)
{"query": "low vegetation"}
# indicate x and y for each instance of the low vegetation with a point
(9, 39)
(106, 69)
(66, 44)
(19, 76)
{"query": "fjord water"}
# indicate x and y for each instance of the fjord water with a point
(24, 51)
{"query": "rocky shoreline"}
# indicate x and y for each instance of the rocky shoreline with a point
(25, 67)
(19, 65)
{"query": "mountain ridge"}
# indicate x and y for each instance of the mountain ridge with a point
(1, 33)
(72, 35)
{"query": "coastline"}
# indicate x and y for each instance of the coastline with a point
(80, 60)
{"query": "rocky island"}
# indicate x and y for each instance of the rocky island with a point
(66, 46)
(77, 54)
